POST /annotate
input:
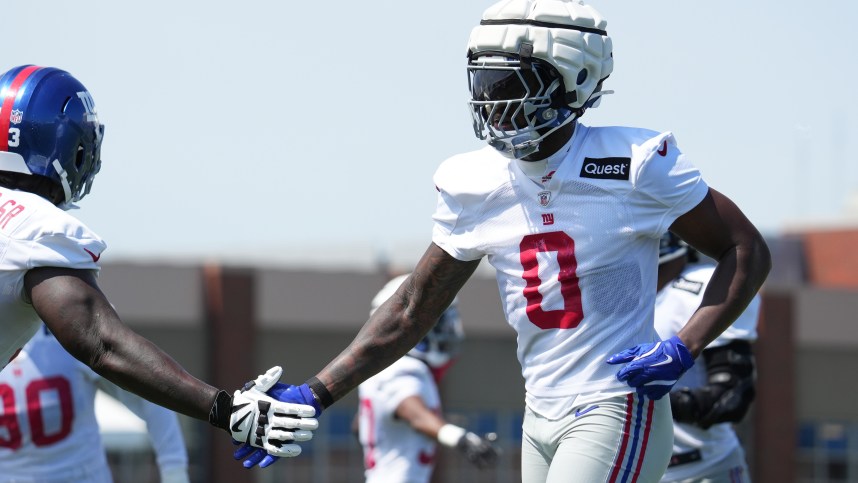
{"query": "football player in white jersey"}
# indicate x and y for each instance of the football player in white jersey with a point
(400, 417)
(570, 216)
(50, 151)
(719, 388)
(52, 435)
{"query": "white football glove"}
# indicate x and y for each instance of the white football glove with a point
(264, 422)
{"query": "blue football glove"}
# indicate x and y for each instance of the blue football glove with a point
(653, 368)
(286, 393)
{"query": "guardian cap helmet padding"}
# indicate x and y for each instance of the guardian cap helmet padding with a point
(534, 66)
(49, 128)
(442, 343)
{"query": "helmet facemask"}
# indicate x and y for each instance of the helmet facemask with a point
(77, 158)
(515, 102)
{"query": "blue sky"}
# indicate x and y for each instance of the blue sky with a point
(308, 133)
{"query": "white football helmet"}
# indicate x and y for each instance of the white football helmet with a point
(533, 67)
(442, 343)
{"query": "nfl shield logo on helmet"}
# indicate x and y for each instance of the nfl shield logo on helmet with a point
(544, 198)
(16, 116)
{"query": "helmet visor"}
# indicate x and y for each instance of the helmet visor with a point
(500, 84)
(509, 104)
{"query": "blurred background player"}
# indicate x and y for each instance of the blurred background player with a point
(719, 389)
(50, 152)
(400, 417)
(570, 217)
(50, 433)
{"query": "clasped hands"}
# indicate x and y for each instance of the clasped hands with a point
(295, 427)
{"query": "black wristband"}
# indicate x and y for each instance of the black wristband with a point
(221, 410)
(320, 392)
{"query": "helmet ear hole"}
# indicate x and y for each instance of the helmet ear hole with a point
(582, 76)
(79, 158)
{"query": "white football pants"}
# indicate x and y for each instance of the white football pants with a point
(623, 439)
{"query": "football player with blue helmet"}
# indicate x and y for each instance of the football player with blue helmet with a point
(50, 152)
(400, 417)
(569, 216)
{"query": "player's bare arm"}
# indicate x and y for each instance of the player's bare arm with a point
(70, 303)
(413, 410)
(83, 321)
(399, 323)
(718, 228)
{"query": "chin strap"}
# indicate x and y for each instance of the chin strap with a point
(596, 98)
(534, 143)
(531, 146)
(569, 119)
(64, 179)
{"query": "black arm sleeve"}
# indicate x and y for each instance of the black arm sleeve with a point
(728, 392)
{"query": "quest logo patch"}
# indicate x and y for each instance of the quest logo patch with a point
(606, 168)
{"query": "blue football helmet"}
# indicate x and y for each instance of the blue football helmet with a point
(442, 343)
(51, 129)
(671, 247)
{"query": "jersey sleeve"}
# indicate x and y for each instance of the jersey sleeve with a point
(61, 250)
(53, 238)
(448, 221)
(465, 182)
(403, 380)
(665, 181)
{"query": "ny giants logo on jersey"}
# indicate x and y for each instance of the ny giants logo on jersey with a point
(606, 168)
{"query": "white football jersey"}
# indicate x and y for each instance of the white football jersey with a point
(393, 451)
(35, 233)
(576, 256)
(674, 305)
(50, 433)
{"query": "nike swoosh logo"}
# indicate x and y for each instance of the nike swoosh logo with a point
(93, 255)
(238, 406)
(648, 353)
(666, 361)
(235, 426)
(663, 149)
(582, 412)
